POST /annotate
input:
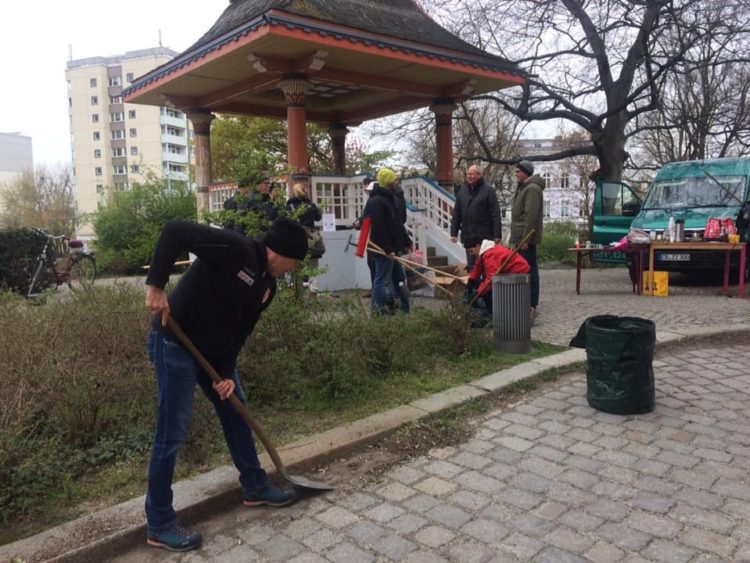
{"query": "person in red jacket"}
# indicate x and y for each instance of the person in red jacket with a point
(489, 258)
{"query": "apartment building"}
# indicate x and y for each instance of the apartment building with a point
(15, 156)
(115, 144)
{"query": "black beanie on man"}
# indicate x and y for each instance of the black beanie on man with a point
(526, 167)
(287, 238)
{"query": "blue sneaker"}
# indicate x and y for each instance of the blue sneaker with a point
(271, 496)
(176, 538)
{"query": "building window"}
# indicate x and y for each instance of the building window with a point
(95, 118)
(98, 170)
(133, 132)
(97, 153)
(172, 149)
(116, 116)
(547, 179)
(565, 208)
(129, 77)
(115, 80)
(134, 168)
(94, 100)
(92, 82)
(546, 207)
(118, 134)
(115, 99)
(120, 169)
(118, 151)
(100, 188)
(134, 151)
(565, 181)
(97, 135)
(131, 114)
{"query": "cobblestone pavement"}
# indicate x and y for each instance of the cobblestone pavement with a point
(691, 303)
(545, 479)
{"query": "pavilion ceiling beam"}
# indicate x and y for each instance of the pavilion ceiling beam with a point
(183, 103)
(379, 83)
(255, 85)
(259, 110)
(382, 109)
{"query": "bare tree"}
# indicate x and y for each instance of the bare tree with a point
(40, 198)
(599, 65)
(705, 109)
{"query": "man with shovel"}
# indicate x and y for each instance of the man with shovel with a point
(217, 303)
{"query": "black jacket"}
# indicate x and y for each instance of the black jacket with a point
(219, 299)
(309, 215)
(261, 204)
(476, 214)
(386, 229)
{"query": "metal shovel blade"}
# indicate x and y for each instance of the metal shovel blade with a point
(297, 480)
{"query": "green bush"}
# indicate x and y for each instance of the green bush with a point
(18, 251)
(557, 239)
(128, 227)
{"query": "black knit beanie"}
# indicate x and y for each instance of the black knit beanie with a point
(287, 238)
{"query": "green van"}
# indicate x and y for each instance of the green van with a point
(690, 191)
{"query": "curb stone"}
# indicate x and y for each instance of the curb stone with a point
(209, 493)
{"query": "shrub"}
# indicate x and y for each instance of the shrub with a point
(128, 227)
(558, 238)
(18, 251)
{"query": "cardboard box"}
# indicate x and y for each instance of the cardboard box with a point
(661, 283)
(454, 286)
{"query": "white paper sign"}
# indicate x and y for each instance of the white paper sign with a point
(329, 222)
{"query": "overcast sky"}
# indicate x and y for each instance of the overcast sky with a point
(36, 37)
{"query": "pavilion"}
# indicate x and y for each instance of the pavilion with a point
(336, 63)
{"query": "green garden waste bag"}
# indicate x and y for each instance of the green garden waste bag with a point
(619, 358)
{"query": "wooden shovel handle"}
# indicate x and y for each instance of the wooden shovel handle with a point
(236, 403)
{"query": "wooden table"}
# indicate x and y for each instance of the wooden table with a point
(727, 247)
(636, 252)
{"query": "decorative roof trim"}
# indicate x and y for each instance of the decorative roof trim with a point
(274, 18)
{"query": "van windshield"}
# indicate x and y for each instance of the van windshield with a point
(679, 193)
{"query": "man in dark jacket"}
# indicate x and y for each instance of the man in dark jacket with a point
(527, 214)
(258, 201)
(476, 213)
(217, 303)
(386, 231)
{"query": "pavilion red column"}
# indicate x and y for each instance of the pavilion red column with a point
(338, 132)
(294, 92)
(443, 110)
(201, 130)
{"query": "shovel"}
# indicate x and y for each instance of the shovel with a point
(297, 480)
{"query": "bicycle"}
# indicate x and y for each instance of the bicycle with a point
(65, 260)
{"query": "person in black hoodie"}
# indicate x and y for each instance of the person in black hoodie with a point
(217, 303)
(476, 213)
(258, 201)
(386, 232)
(310, 211)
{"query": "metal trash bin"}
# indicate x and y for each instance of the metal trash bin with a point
(511, 321)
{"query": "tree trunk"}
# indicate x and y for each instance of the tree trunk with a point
(610, 148)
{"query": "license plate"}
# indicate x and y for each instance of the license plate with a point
(674, 257)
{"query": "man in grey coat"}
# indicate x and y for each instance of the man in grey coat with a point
(527, 213)
(476, 213)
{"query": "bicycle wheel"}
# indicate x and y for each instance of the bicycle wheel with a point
(82, 272)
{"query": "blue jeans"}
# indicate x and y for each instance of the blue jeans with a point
(382, 285)
(177, 372)
(530, 256)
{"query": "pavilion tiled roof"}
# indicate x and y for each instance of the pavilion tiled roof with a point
(401, 19)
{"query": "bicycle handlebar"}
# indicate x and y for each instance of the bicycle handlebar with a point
(49, 236)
